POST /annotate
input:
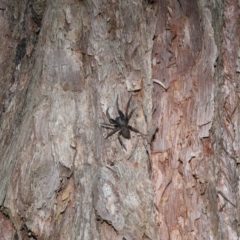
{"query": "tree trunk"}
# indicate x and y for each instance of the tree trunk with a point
(63, 64)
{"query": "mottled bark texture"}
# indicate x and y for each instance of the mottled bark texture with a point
(195, 154)
(63, 63)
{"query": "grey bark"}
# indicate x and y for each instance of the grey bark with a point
(60, 178)
(63, 63)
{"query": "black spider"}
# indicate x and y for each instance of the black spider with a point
(120, 124)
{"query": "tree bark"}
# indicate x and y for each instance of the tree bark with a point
(196, 152)
(63, 64)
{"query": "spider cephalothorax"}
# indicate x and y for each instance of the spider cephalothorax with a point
(120, 123)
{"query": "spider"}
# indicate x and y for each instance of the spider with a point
(120, 123)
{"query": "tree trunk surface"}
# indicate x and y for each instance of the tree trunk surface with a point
(63, 66)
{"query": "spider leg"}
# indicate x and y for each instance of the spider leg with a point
(112, 132)
(130, 114)
(119, 111)
(120, 140)
(128, 104)
(108, 126)
(134, 130)
(109, 118)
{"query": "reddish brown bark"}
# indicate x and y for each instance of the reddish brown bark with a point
(195, 153)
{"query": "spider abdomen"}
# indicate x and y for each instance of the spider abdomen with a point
(125, 132)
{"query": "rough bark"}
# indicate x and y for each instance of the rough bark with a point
(60, 178)
(196, 152)
(63, 63)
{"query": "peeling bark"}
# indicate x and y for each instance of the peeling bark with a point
(63, 63)
(195, 162)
